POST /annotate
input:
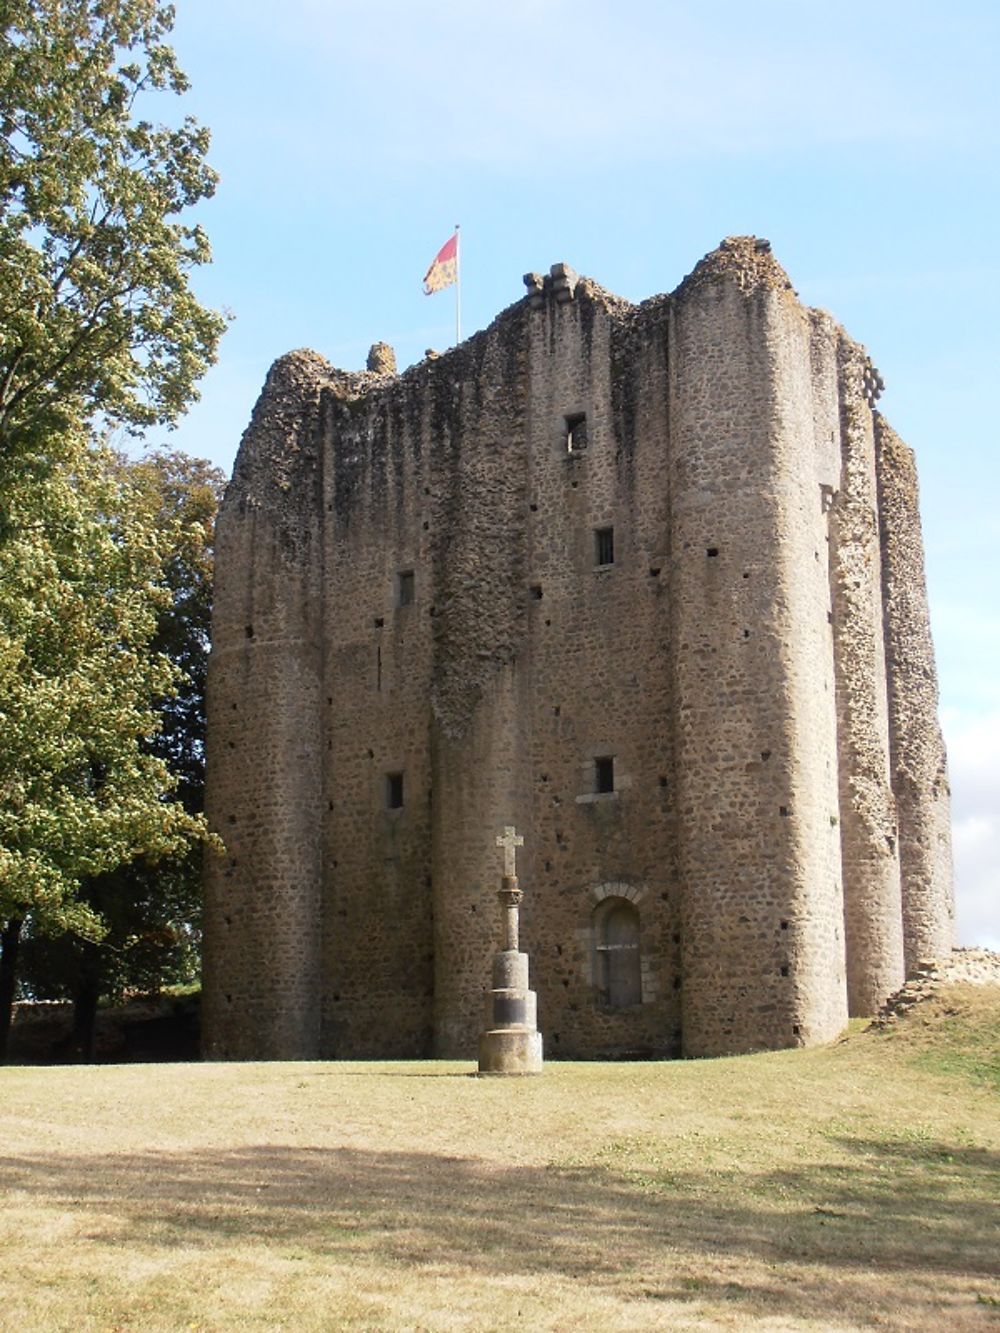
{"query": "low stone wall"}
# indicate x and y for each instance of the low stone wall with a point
(143, 1031)
(977, 967)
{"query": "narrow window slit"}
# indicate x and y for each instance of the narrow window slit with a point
(404, 587)
(576, 432)
(604, 546)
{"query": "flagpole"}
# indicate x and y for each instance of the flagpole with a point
(458, 287)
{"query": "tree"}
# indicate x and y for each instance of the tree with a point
(181, 497)
(97, 318)
(82, 790)
(98, 327)
(151, 910)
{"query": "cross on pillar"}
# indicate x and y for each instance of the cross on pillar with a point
(509, 840)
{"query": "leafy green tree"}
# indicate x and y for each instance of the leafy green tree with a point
(82, 791)
(151, 909)
(97, 317)
(99, 327)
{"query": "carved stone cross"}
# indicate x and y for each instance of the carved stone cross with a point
(509, 840)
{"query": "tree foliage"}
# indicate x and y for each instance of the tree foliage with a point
(151, 909)
(181, 496)
(97, 317)
(81, 597)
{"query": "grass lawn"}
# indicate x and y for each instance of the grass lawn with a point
(850, 1187)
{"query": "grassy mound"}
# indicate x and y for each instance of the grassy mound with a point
(849, 1187)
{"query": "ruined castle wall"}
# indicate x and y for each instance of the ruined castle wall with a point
(872, 905)
(377, 970)
(610, 574)
(752, 661)
(545, 661)
(919, 764)
(477, 704)
(593, 653)
(265, 762)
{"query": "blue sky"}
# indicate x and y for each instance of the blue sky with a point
(627, 139)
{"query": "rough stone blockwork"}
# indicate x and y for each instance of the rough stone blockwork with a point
(644, 582)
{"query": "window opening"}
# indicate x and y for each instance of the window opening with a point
(616, 943)
(576, 432)
(404, 587)
(604, 773)
(604, 546)
(394, 791)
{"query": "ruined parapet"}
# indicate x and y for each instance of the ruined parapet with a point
(381, 359)
(755, 724)
(868, 831)
(919, 762)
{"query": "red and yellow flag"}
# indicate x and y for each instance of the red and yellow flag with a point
(443, 272)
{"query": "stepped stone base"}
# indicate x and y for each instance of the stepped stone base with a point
(507, 1051)
(511, 1044)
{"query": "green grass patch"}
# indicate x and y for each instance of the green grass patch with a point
(844, 1188)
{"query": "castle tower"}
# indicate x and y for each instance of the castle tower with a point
(872, 898)
(265, 759)
(642, 581)
(919, 764)
(752, 661)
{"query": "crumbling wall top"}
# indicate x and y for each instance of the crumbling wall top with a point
(746, 259)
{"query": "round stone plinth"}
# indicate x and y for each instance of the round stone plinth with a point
(509, 1051)
(511, 1009)
(510, 970)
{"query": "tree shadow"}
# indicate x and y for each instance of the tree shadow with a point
(921, 1216)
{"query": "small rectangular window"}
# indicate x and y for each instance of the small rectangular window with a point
(576, 432)
(604, 773)
(404, 587)
(604, 546)
(394, 791)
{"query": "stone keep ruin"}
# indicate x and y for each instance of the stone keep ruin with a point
(644, 581)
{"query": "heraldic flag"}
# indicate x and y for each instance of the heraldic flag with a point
(443, 272)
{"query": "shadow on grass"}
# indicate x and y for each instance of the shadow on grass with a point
(921, 1217)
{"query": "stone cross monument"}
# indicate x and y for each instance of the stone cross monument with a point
(512, 1043)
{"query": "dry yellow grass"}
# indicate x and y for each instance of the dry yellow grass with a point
(845, 1188)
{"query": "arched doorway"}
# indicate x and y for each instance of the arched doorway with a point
(616, 944)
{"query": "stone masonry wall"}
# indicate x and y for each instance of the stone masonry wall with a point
(919, 763)
(762, 920)
(574, 575)
(264, 760)
(872, 905)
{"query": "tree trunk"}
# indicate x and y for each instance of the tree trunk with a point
(85, 996)
(10, 943)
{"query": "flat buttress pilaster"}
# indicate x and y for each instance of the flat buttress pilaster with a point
(477, 781)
